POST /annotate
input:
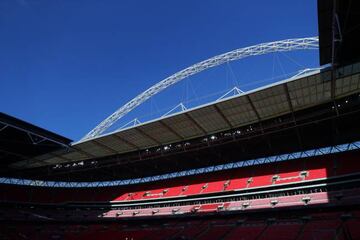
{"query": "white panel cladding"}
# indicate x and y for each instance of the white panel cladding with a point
(238, 111)
(115, 143)
(309, 91)
(95, 149)
(183, 126)
(347, 85)
(159, 132)
(135, 137)
(209, 119)
(270, 102)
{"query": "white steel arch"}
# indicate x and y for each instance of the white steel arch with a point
(259, 49)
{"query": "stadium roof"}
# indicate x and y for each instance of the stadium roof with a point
(20, 140)
(343, 19)
(260, 104)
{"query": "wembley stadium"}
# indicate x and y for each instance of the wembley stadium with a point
(279, 162)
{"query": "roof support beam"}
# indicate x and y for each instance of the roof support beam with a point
(3, 127)
(171, 130)
(13, 153)
(83, 152)
(287, 93)
(237, 54)
(223, 116)
(122, 140)
(60, 156)
(291, 107)
(23, 129)
(259, 120)
(332, 89)
(336, 39)
(56, 155)
(104, 146)
(253, 107)
(332, 84)
(195, 123)
(147, 136)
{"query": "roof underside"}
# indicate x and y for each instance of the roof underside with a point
(20, 141)
(346, 31)
(250, 108)
(289, 116)
(315, 127)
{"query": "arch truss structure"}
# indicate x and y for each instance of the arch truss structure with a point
(255, 50)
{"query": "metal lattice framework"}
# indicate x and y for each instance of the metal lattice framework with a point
(255, 50)
(251, 162)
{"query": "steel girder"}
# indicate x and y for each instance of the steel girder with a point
(259, 49)
(251, 162)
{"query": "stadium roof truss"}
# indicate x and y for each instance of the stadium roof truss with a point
(284, 97)
(259, 49)
(250, 162)
(20, 140)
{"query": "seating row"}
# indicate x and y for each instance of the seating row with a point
(332, 225)
(341, 197)
(284, 172)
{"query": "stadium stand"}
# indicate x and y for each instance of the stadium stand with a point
(249, 178)
(277, 188)
(328, 225)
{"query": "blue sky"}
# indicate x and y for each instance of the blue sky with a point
(66, 65)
